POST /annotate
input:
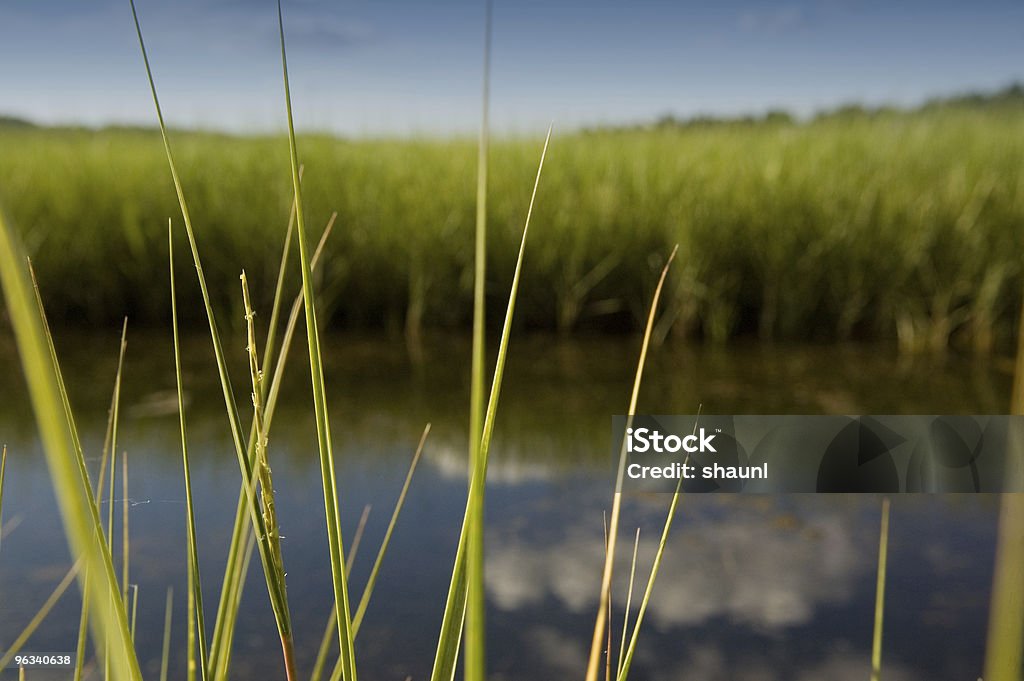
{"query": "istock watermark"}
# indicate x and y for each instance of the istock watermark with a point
(780, 454)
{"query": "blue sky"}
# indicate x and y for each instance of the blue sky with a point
(408, 67)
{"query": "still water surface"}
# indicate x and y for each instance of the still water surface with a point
(752, 587)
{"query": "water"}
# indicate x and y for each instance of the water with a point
(756, 588)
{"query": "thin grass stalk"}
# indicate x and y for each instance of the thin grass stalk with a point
(115, 406)
(135, 607)
(196, 617)
(325, 641)
(292, 324)
(3, 473)
(450, 637)
(476, 634)
(68, 473)
(364, 601)
(334, 538)
(275, 309)
(629, 603)
(190, 624)
(125, 536)
(235, 600)
(371, 582)
(628, 659)
(275, 581)
(83, 626)
(608, 644)
(40, 615)
(606, 579)
(165, 654)
(883, 552)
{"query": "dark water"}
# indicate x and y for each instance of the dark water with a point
(757, 588)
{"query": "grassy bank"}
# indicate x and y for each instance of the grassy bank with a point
(900, 226)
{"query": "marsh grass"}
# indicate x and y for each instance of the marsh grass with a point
(476, 630)
(901, 227)
(883, 553)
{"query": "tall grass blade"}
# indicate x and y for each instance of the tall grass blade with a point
(197, 619)
(334, 537)
(165, 655)
(476, 668)
(125, 536)
(3, 473)
(83, 626)
(629, 602)
(328, 636)
(450, 637)
(613, 530)
(364, 601)
(275, 309)
(34, 623)
(628, 659)
(135, 607)
(883, 552)
(67, 467)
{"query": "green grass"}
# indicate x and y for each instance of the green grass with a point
(900, 226)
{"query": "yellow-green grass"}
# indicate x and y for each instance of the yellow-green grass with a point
(899, 226)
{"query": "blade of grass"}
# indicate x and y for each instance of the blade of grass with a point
(325, 641)
(475, 655)
(608, 644)
(275, 309)
(124, 523)
(883, 552)
(334, 538)
(165, 655)
(628, 659)
(197, 619)
(135, 607)
(3, 472)
(190, 624)
(364, 601)
(68, 473)
(235, 599)
(450, 637)
(34, 623)
(83, 625)
(606, 579)
(275, 580)
(629, 602)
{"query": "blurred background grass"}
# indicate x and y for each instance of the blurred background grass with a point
(901, 226)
